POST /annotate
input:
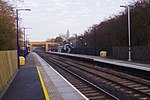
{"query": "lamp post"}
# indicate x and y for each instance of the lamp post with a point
(129, 33)
(95, 40)
(76, 40)
(18, 46)
(81, 40)
(25, 39)
(85, 46)
(93, 30)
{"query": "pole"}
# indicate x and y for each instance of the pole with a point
(129, 34)
(18, 46)
(95, 39)
(26, 40)
(24, 44)
(76, 39)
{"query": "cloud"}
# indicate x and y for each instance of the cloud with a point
(56, 16)
(31, 3)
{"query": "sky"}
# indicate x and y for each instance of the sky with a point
(50, 18)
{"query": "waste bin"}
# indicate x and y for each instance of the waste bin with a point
(103, 54)
(22, 60)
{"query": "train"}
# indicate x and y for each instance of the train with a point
(66, 48)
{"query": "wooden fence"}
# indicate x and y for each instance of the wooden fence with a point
(8, 67)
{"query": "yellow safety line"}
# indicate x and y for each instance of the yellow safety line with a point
(47, 97)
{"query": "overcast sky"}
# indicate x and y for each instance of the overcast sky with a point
(49, 18)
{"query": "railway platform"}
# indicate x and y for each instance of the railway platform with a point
(26, 85)
(37, 80)
(134, 65)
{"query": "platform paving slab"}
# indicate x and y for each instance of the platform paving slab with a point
(26, 85)
(59, 85)
(130, 64)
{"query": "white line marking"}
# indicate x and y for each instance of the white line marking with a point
(41, 59)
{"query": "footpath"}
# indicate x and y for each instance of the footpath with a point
(26, 85)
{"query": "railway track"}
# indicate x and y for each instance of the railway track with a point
(91, 91)
(123, 87)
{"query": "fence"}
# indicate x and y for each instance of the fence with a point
(8, 67)
(138, 53)
(93, 51)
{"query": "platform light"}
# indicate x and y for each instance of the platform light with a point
(18, 46)
(129, 32)
(25, 39)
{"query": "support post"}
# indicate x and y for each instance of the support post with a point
(129, 33)
(46, 48)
